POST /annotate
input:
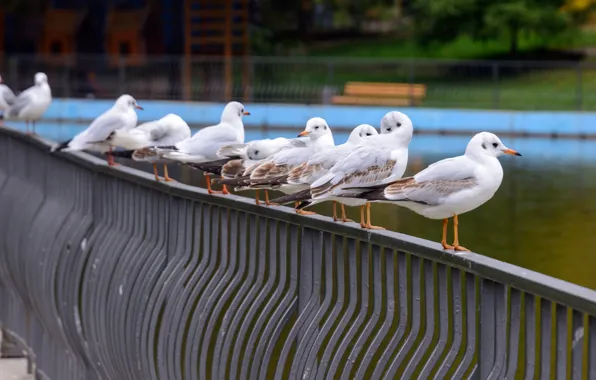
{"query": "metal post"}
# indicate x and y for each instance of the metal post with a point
(579, 91)
(13, 65)
(496, 93)
(228, 51)
(66, 82)
(412, 80)
(330, 73)
(122, 75)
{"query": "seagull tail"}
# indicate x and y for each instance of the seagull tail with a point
(213, 167)
(122, 153)
(59, 147)
(296, 197)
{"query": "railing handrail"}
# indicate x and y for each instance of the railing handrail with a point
(559, 291)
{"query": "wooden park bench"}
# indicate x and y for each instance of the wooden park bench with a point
(381, 94)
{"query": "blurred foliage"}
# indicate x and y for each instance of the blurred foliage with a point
(445, 20)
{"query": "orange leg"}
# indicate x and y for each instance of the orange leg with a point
(368, 224)
(335, 219)
(302, 212)
(362, 223)
(224, 190)
(111, 161)
(444, 239)
(209, 189)
(166, 175)
(257, 201)
(267, 199)
(344, 217)
(456, 245)
(155, 172)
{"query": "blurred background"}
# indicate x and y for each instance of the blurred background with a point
(445, 63)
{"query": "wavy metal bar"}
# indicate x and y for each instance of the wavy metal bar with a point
(514, 333)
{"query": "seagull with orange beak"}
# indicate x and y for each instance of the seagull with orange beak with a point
(450, 187)
(204, 145)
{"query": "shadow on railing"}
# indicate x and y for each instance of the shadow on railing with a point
(107, 274)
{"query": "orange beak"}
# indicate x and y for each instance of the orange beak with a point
(303, 133)
(511, 152)
(246, 113)
(138, 107)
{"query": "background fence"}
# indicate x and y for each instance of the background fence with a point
(107, 274)
(523, 85)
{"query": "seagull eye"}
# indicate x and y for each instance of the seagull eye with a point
(398, 124)
(389, 129)
(256, 152)
(483, 146)
(495, 144)
(369, 134)
(316, 127)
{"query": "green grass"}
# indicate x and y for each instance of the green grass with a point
(473, 85)
(462, 48)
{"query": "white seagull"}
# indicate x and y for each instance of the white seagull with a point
(381, 159)
(240, 159)
(7, 97)
(320, 164)
(449, 187)
(122, 115)
(139, 141)
(273, 173)
(204, 145)
(31, 104)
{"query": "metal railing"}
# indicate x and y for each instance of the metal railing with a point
(523, 85)
(107, 274)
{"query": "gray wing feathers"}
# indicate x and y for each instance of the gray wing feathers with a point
(20, 102)
(101, 128)
(429, 192)
(8, 95)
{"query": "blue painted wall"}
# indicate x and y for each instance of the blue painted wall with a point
(295, 115)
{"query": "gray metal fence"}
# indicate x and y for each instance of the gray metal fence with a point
(106, 274)
(523, 85)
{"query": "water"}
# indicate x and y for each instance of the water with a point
(543, 217)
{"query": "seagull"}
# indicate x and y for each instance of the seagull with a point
(138, 141)
(122, 115)
(204, 145)
(32, 103)
(450, 187)
(238, 159)
(273, 173)
(7, 97)
(380, 159)
(321, 163)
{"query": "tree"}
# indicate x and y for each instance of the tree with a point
(445, 20)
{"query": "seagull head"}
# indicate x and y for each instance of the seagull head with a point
(315, 128)
(488, 144)
(232, 111)
(361, 132)
(124, 102)
(398, 125)
(41, 78)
